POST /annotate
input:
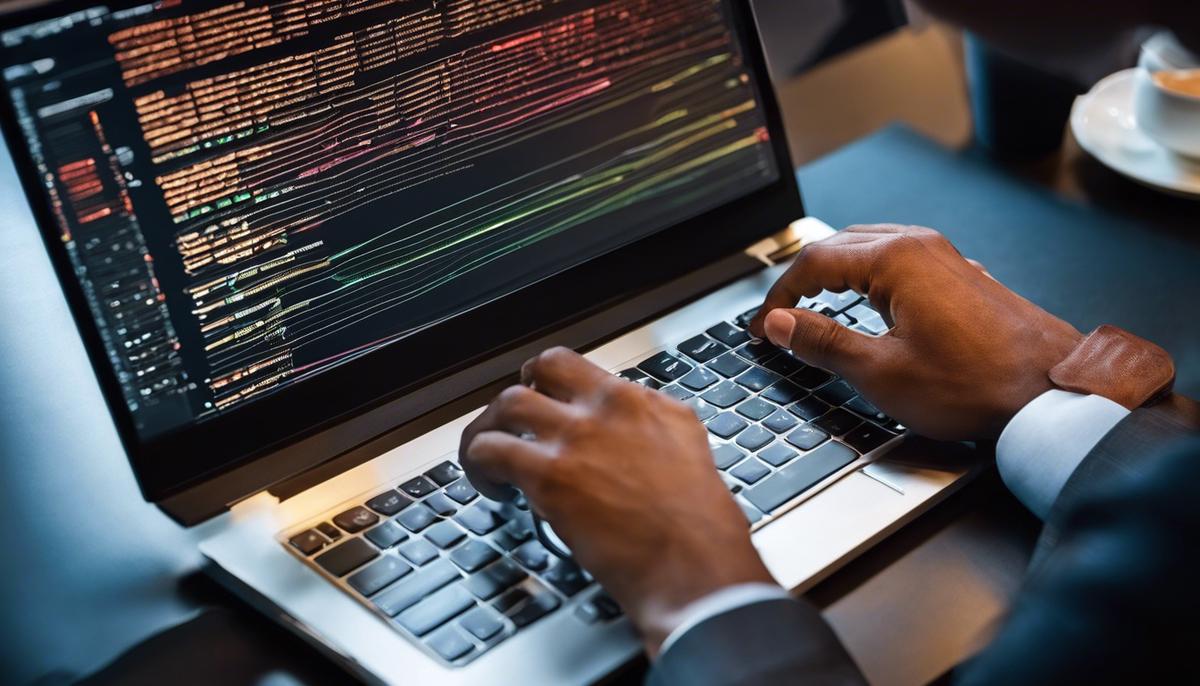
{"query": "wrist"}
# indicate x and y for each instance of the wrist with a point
(683, 579)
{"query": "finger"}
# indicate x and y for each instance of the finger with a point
(563, 374)
(496, 462)
(836, 264)
(819, 340)
(521, 409)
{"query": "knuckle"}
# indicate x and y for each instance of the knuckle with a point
(513, 396)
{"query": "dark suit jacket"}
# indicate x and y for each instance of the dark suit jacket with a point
(1112, 595)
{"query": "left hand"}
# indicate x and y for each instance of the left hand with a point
(625, 476)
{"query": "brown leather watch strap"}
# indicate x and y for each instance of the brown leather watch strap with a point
(1117, 365)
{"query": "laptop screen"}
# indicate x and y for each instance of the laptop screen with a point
(250, 194)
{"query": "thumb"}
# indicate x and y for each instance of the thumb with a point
(817, 339)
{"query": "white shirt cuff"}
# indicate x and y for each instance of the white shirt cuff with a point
(719, 602)
(1044, 443)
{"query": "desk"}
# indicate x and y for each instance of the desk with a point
(89, 569)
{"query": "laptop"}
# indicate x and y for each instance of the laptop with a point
(305, 241)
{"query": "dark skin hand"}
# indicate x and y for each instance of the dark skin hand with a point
(619, 470)
(624, 473)
(965, 353)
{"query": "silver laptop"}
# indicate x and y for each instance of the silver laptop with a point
(304, 242)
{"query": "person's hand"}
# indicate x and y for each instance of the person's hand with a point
(625, 477)
(965, 353)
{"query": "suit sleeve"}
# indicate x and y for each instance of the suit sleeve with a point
(1110, 598)
(768, 643)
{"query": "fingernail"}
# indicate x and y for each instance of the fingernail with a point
(779, 326)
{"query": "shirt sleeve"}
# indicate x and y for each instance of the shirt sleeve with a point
(1044, 443)
(719, 602)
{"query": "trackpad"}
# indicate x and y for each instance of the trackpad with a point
(839, 523)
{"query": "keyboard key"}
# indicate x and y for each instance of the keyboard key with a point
(809, 408)
(812, 377)
(436, 610)
(780, 422)
(450, 644)
(755, 409)
(864, 407)
(728, 365)
(784, 364)
(567, 577)
(701, 409)
(418, 487)
(777, 455)
(408, 591)
(444, 534)
(378, 575)
(726, 455)
(750, 471)
(743, 319)
(445, 473)
(677, 392)
(534, 608)
(868, 319)
(807, 437)
(388, 503)
(757, 378)
(515, 532)
(725, 394)
(473, 555)
(386, 534)
(835, 393)
(482, 623)
(754, 438)
(331, 532)
(641, 378)
(356, 519)
(799, 476)
(867, 437)
(418, 551)
(728, 334)
(462, 491)
(532, 555)
(490, 581)
(599, 608)
(751, 512)
(784, 392)
(665, 367)
(701, 348)
(726, 425)
(699, 379)
(416, 517)
(510, 600)
(758, 351)
(838, 421)
(346, 557)
(307, 542)
(479, 520)
(441, 504)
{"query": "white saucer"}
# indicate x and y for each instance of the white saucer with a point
(1104, 125)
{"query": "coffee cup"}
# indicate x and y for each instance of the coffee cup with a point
(1167, 96)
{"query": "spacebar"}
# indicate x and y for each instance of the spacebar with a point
(800, 476)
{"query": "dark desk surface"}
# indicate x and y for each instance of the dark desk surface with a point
(89, 569)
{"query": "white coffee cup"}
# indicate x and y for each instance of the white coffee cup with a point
(1167, 115)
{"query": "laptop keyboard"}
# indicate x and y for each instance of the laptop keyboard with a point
(460, 574)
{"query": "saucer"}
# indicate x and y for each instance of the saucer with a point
(1104, 125)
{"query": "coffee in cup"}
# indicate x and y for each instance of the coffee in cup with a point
(1166, 96)
(1181, 81)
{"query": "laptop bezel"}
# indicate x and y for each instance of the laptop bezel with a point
(173, 463)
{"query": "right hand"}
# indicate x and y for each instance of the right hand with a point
(965, 353)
